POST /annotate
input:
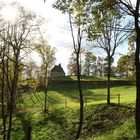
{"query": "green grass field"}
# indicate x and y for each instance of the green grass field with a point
(67, 95)
(60, 123)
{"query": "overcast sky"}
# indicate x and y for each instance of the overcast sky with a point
(56, 27)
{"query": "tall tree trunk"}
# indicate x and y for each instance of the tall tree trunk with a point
(137, 63)
(6, 71)
(45, 100)
(2, 101)
(81, 99)
(11, 110)
(29, 133)
(46, 90)
(77, 49)
(88, 70)
(12, 98)
(108, 79)
(137, 117)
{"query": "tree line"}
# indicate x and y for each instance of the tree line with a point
(93, 65)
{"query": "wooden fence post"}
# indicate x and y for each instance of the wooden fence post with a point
(119, 99)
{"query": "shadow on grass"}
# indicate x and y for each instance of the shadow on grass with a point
(71, 92)
(25, 119)
(52, 100)
(56, 116)
(59, 93)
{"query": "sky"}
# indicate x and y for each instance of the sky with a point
(57, 32)
(56, 29)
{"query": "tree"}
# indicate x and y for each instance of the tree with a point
(75, 11)
(89, 65)
(31, 76)
(16, 37)
(2, 67)
(47, 55)
(126, 66)
(129, 9)
(134, 11)
(99, 67)
(108, 37)
(106, 66)
(72, 68)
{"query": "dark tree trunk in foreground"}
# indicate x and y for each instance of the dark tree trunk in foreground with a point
(136, 14)
(74, 10)
(29, 133)
(46, 90)
(108, 79)
(2, 100)
(13, 94)
(81, 99)
(137, 63)
(77, 49)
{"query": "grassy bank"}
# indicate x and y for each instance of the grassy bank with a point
(67, 95)
(61, 124)
(126, 131)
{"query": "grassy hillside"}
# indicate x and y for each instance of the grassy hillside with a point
(61, 122)
(100, 121)
(126, 131)
(67, 95)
